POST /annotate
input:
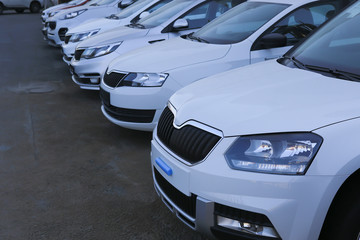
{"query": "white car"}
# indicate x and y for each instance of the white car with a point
(20, 5)
(129, 15)
(93, 55)
(58, 25)
(137, 86)
(51, 11)
(271, 150)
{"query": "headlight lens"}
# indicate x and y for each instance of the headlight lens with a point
(51, 14)
(288, 153)
(77, 37)
(72, 14)
(100, 51)
(144, 79)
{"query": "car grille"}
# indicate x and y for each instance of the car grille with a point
(52, 25)
(67, 39)
(62, 32)
(113, 79)
(185, 203)
(189, 142)
(78, 53)
(125, 114)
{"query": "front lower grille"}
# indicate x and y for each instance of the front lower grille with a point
(189, 142)
(78, 53)
(113, 79)
(62, 32)
(52, 25)
(185, 203)
(242, 215)
(67, 39)
(125, 114)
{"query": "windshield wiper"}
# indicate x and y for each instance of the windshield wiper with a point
(191, 36)
(335, 72)
(136, 25)
(297, 62)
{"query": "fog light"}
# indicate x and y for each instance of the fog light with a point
(247, 227)
(94, 80)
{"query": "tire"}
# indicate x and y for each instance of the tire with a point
(35, 7)
(19, 10)
(344, 222)
(1, 8)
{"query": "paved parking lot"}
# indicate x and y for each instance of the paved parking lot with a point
(65, 171)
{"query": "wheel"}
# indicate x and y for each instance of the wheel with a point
(35, 7)
(19, 10)
(344, 221)
(1, 8)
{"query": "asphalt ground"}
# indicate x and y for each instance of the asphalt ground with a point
(65, 171)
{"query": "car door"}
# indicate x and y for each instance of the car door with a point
(200, 15)
(295, 27)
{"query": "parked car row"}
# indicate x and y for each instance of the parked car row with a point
(254, 106)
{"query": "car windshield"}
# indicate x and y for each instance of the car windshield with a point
(334, 49)
(164, 13)
(132, 9)
(239, 23)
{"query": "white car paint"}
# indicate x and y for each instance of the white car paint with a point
(132, 37)
(186, 61)
(87, 12)
(104, 24)
(268, 99)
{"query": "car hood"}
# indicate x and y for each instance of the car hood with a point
(102, 23)
(115, 35)
(267, 98)
(164, 56)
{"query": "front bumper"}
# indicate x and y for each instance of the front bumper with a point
(292, 204)
(138, 101)
(68, 51)
(87, 73)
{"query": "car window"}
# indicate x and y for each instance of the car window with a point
(151, 9)
(299, 23)
(239, 23)
(132, 9)
(206, 12)
(163, 14)
(335, 46)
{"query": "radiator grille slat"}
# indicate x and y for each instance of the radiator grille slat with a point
(189, 142)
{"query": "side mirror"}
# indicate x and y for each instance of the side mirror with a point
(125, 3)
(180, 23)
(144, 14)
(273, 40)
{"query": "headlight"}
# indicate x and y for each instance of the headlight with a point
(77, 37)
(288, 153)
(100, 51)
(51, 14)
(144, 79)
(72, 14)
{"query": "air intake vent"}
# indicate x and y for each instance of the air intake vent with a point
(185, 203)
(113, 79)
(52, 25)
(78, 53)
(62, 32)
(67, 39)
(189, 142)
